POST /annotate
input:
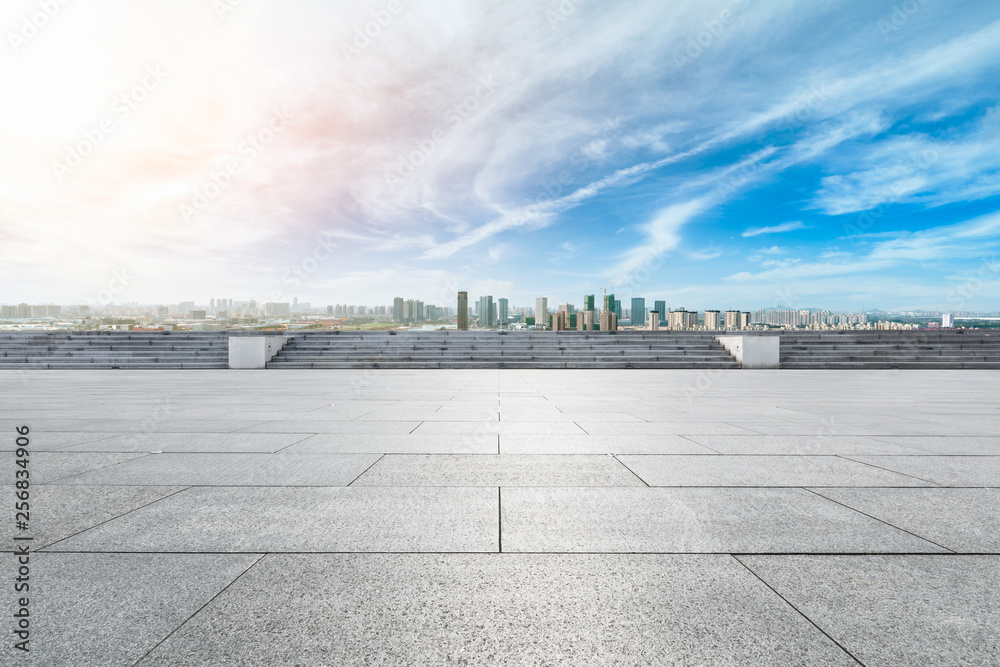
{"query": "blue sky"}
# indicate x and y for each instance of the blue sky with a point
(734, 154)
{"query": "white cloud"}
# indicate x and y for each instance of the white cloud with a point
(774, 229)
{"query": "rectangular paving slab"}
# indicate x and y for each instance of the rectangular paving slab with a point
(716, 520)
(193, 442)
(720, 470)
(112, 609)
(502, 470)
(498, 609)
(412, 443)
(47, 467)
(896, 610)
(600, 444)
(943, 470)
(332, 426)
(798, 445)
(963, 520)
(60, 511)
(953, 445)
(270, 519)
(232, 470)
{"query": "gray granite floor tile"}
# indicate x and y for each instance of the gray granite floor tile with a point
(800, 445)
(658, 428)
(47, 441)
(896, 610)
(503, 470)
(954, 445)
(600, 444)
(104, 610)
(269, 519)
(47, 467)
(943, 470)
(193, 442)
(333, 426)
(963, 520)
(389, 609)
(692, 521)
(725, 470)
(231, 470)
(56, 512)
(334, 443)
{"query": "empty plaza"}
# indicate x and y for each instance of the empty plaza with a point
(523, 517)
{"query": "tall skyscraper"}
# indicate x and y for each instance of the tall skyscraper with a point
(638, 311)
(609, 302)
(463, 311)
(487, 311)
(732, 319)
(588, 302)
(661, 308)
(712, 320)
(398, 309)
(502, 313)
(541, 311)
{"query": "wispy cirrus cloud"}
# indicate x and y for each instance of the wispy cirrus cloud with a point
(773, 229)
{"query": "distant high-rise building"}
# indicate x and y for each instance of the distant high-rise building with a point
(560, 320)
(201, 314)
(398, 309)
(654, 321)
(463, 311)
(609, 320)
(948, 321)
(732, 319)
(272, 309)
(588, 302)
(502, 314)
(712, 319)
(682, 319)
(541, 311)
(744, 320)
(487, 312)
(618, 308)
(661, 308)
(609, 302)
(329, 310)
(637, 313)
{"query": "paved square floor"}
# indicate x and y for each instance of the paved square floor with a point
(618, 517)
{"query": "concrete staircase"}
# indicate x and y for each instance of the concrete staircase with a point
(113, 349)
(943, 349)
(493, 349)
(923, 348)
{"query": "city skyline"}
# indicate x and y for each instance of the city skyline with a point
(697, 154)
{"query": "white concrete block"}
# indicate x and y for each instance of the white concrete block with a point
(254, 351)
(752, 351)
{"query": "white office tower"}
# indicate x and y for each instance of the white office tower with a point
(541, 312)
